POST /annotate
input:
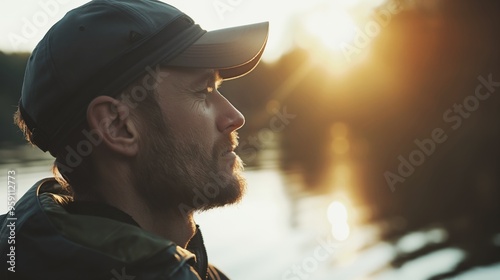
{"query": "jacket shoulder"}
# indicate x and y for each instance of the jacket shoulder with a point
(54, 244)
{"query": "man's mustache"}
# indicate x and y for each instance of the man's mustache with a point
(226, 145)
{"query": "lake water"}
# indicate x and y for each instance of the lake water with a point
(269, 236)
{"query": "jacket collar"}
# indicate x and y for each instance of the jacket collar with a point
(195, 245)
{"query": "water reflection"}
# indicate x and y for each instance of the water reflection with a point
(320, 219)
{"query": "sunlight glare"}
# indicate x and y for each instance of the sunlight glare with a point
(337, 215)
(332, 26)
(334, 33)
(337, 212)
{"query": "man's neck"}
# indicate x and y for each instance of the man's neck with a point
(169, 224)
(118, 192)
(176, 228)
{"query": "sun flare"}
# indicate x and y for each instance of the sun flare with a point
(332, 27)
(331, 32)
(335, 24)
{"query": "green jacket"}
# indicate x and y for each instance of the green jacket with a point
(44, 238)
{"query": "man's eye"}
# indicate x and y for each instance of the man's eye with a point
(206, 90)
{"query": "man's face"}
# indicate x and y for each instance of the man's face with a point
(187, 147)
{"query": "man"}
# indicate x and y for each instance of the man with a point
(124, 95)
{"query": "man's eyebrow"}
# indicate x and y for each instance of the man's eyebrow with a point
(212, 77)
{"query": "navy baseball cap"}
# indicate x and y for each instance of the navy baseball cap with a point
(101, 47)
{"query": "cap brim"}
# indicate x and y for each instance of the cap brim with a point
(233, 51)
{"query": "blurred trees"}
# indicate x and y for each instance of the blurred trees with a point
(423, 74)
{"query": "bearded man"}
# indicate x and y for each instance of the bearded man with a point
(124, 95)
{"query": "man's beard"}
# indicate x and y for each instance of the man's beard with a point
(174, 175)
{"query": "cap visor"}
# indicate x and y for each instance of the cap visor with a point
(233, 51)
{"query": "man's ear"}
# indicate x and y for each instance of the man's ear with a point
(111, 120)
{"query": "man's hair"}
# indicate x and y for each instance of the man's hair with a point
(81, 179)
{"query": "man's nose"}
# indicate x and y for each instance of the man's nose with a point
(229, 118)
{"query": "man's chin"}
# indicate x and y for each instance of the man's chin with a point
(227, 194)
